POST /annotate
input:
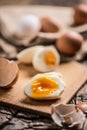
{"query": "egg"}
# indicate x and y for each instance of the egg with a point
(46, 59)
(69, 43)
(26, 55)
(80, 14)
(28, 26)
(45, 86)
(8, 73)
(50, 24)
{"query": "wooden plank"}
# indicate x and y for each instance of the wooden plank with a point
(74, 75)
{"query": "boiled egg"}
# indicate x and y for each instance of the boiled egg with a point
(45, 86)
(46, 60)
(26, 55)
(28, 26)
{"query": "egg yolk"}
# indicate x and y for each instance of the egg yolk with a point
(50, 58)
(43, 87)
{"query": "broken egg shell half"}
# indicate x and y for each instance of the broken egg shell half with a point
(67, 114)
(51, 28)
(26, 55)
(45, 86)
(50, 24)
(8, 72)
(46, 60)
(28, 26)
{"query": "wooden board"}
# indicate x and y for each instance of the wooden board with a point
(74, 75)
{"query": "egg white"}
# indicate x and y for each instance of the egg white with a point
(39, 63)
(54, 95)
(26, 56)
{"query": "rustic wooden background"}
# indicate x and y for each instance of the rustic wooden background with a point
(43, 2)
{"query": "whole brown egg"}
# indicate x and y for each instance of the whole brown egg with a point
(80, 14)
(69, 43)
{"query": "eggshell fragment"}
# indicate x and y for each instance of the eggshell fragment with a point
(80, 14)
(68, 115)
(26, 56)
(50, 24)
(69, 43)
(42, 57)
(8, 72)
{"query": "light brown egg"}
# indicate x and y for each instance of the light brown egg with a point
(69, 43)
(80, 14)
(8, 72)
(50, 24)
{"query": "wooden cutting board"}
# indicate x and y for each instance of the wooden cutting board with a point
(74, 75)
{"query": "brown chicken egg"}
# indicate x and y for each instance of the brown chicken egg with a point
(50, 24)
(80, 14)
(8, 72)
(69, 43)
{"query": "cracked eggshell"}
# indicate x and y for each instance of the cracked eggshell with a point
(46, 60)
(8, 72)
(26, 56)
(28, 26)
(54, 95)
(68, 114)
(51, 28)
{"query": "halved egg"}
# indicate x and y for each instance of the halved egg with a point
(27, 55)
(45, 86)
(46, 59)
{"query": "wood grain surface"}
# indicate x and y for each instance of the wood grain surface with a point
(74, 75)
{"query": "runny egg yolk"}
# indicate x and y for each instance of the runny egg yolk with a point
(43, 87)
(50, 58)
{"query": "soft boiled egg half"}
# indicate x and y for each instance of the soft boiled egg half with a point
(46, 60)
(45, 86)
(43, 58)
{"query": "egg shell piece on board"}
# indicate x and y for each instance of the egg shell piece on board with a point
(8, 72)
